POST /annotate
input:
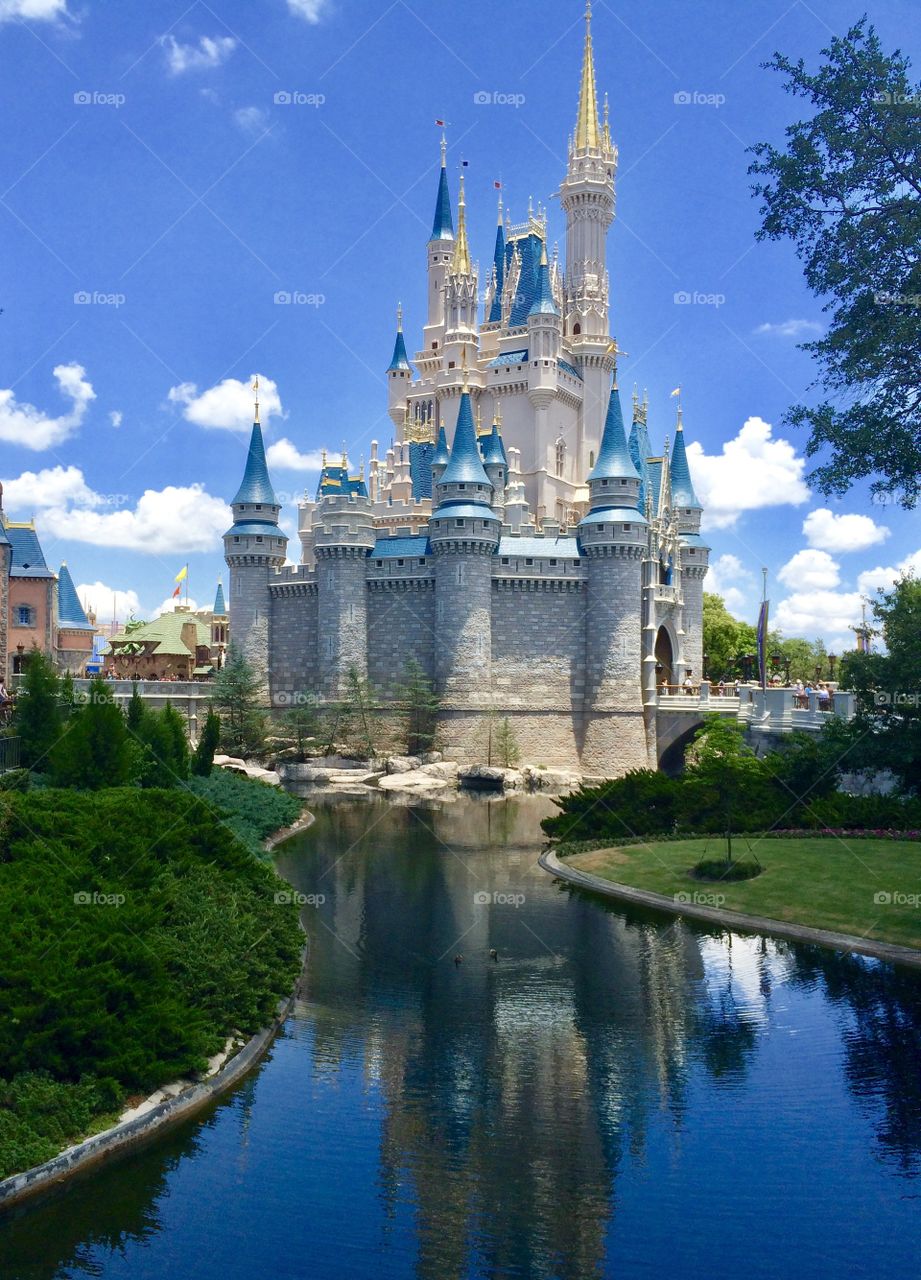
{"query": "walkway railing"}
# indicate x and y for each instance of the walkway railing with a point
(772, 710)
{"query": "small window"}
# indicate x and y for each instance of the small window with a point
(25, 617)
(577, 329)
(259, 538)
(604, 484)
(236, 539)
(505, 560)
(553, 562)
(422, 562)
(591, 458)
(529, 561)
(450, 364)
(626, 528)
(380, 564)
(462, 486)
(459, 523)
(400, 563)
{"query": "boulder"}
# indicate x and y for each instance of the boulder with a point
(402, 764)
(482, 777)
(550, 779)
(446, 769)
(513, 780)
(432, 757)
(411, 782)
(230, 762)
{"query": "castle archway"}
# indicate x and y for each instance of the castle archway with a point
(665, 658)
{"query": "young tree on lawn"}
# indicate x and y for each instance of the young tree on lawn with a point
(506, 744)
(846, 191)
(727, 770)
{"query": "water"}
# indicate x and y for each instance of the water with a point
(619, 1095)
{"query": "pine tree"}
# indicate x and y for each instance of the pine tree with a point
(359, 722)
(177, 734)
(203, 757)
(419, 704)
(37, 719)
(236, 695)
(506, 745)
(136, 710)
(93, 751)
(302, 721)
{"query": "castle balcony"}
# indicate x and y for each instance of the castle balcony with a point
(663, 594)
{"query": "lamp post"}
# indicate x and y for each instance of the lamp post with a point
(832, 662)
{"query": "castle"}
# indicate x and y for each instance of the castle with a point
(537, 561)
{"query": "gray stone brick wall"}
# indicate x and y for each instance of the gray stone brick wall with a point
(463, 625)
(401, 625)
(294, 641)
(342, 617)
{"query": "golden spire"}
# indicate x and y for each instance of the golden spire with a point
(500, 208)
(256, 394)
(323, 459)
(479, 418)
(498, 414)
(444, 150)
(587, 137)
(461, 262)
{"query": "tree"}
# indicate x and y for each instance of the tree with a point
(726, 769)
(418, 703)
(177, 733)
(237, 696)
(725, 638)
(846, 192)
(203, 757)
(301, 722)
(506, 745)
(93, 751)
(358, 721)
(136, 710)
(38, 719)
(886, 732)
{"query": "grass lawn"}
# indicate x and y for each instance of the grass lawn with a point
(869, 888)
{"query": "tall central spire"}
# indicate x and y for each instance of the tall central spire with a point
(587, 135)
(460, 264)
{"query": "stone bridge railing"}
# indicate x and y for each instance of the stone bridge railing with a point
(765, 711)
(189, 697)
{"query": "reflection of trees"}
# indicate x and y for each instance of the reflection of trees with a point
(881, 1034)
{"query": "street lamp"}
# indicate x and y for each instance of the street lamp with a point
(832, 662)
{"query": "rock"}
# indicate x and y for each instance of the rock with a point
(402, 764)
(446, 769)
(514, 780)
(305, 772)
(351, 777)
(174, 1089)
(550, 779)
(432, 757)
(482, 777)
(411, 782)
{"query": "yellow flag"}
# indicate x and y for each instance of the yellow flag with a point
(182, 574)
(676, 392)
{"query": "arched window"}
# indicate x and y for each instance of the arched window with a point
(560, 456)
(591, 458)
(577, 329)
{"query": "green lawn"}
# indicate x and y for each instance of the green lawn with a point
(827, 883)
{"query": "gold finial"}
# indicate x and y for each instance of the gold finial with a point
(499, 414)
(479, 419)
(323, 459)
(464, 366)
(586, 137)
(460, 264)
(399, 317)
(345, 461)
(543, 254)
(256, 394)
(500, 208)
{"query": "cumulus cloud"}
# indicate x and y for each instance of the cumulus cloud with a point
(252, 120)
(210, 52)
(227, 406)
(842, 533)
(33, 10)
(810, 568)
(724, 575)
(103, 599)
(790, 329)
(51, 487)
(826, 614)
(883, 577)
(169, 605)
(310, 10)
(116, 417)
(31, 428)
(284, 456)
(174, 520)
(753, 471)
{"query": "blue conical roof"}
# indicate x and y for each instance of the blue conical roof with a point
(443, 225)
(399, 359)
(495, 311)
(640, 450)
(442, 455)
(544, 303)
(466, 465)
(256, 487)
(493, 449)
(683, 494)
(614, 461)
(220, 607)
(70, 611)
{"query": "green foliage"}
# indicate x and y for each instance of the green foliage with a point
(203, 758)
(251, 810)
(92, 751)
(641, 802)
(418, 705)
(302, 722)
(39, 1115)
(506, 746)
(37, 719)
(354, 720)
(726, 772)
(726, 638)
(135, 933)
(15, 780)
(177, 733)
(237, 697)
(136, 710)
(846, 192)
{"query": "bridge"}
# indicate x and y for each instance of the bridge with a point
(765, 713)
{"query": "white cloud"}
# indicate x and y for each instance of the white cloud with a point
(810, 569)
(33, 10)
(825, 614)
(31, 428)
(872, 580)
(753, 471)
(174, 520)
(116, 417)
(252, 120)
(227, 406)
(791, 329)
(284, 456)
(842, 533)
(722, 578)
(102, 599)
(210, 52)
(309, 10)
(169, 604)
(52, 487)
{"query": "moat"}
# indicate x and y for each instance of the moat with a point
(617, 1094)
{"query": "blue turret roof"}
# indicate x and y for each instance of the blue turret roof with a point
(543, 303)
(443, 225)
(220, 607)
(256, 487)
(466, 465)
(28, 559)
(683, 494)
(638, 445)
(335, 481)
(442, 454)
(614, 461)
(492, 448)
(4, 540)
(399, 359)
(495, 311)
(71, 613)
(530, 247)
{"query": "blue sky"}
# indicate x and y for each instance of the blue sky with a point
(167, 170)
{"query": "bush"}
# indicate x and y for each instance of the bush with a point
(14, 780)
(203, 758)
(39, 1115)
(641, 802)
(250, 809)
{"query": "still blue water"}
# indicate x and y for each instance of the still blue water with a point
(617, 1095)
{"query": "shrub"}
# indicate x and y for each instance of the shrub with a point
(203, 757)
(250, 809)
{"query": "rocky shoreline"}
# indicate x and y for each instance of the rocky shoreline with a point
(425, 775)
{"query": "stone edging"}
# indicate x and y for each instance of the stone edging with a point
(101, 1146)
(891, 952)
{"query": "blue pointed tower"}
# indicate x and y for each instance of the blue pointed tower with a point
(399, 375)
(439, 253)
(254, 549)
(640, 449)
(495, 310)
(440, 458)
(220, 608)
(693, 552)
(464, 532)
